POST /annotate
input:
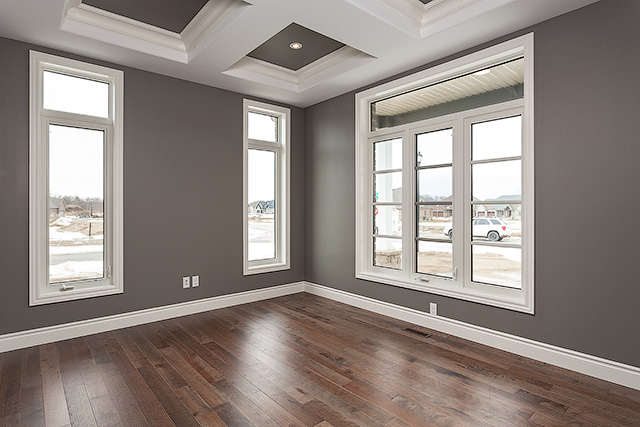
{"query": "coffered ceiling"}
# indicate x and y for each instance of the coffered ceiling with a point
(243, 45)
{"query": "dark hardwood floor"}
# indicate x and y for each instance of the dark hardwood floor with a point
(295, 360)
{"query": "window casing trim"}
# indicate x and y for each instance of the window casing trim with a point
(282, 150)
(517, 300)
(40, 291)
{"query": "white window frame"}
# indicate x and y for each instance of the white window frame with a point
(40, 291)
(282, 150)
(460, 285)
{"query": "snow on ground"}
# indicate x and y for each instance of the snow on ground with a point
(261, 241)
(63, 221)
(75, 270)
(508, 253)
(67, 250)
(56, 234)
(511, 254)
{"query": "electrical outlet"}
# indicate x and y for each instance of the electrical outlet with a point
(195, 281)
(433, 308)
(186, 283)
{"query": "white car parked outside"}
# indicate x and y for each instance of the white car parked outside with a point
(493, 229)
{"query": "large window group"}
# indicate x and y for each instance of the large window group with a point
(75, 179)
(444, 162)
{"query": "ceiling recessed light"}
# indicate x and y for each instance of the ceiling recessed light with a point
(295, 45)
(482, 72)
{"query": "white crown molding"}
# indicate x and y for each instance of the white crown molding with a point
(340, 61)
(608, 370)
(423, 20)
(92, 22)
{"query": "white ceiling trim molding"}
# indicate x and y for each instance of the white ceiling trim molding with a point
(342, 60)
(95, 23)
(421, 20)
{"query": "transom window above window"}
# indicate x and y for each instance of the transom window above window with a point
(75, 165)
(444, 160)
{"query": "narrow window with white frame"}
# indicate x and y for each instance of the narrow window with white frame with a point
(448, 155)
(266, 187)
(75, 209)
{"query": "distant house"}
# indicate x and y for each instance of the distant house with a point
(510, 209)
(429, 212)
(57, 208)
(262, 207)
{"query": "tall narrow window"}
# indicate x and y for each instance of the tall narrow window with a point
(434, 202)
(266, 187)
(387, 203)
(496, 202)
(75, 180)
(448, 156)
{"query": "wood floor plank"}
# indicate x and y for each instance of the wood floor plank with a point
(156, 359)
(296, 360)
(443, 402)
(31, 396)
(10, 385)
(110, 397)
(199, 384)
(106, 413)
(286, 379)
(54, 401)
(78, 403)
(259, 382)
(210, 419)
(133, 388)
(178, 413)
(275, 411)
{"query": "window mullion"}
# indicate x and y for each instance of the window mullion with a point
(462, 205)
(408, 205)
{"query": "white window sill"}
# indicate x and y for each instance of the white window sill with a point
(54, 294)
(512, 299)
(266, 268)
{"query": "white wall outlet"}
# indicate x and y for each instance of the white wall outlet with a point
(433, 308)
(186, 283)
(195, 281)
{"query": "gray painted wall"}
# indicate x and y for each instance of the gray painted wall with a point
(183, 158)
(182, 196)
(587, 152)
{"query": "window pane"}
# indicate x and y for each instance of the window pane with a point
(494, 221)
(434, 148)
(75, 95)
(388, 187)
(435, 258)
(493, 85)
(261, 192)
(387, 220)
(497, 181)
(497, 266)
(263, 127)
(434, 221)
(497, 138)
(387, 253)
(387, 154)
(435, 184)
(76, 204)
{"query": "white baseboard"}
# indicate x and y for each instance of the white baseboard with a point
(604, 369)
(608, 370)
(49, 334)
